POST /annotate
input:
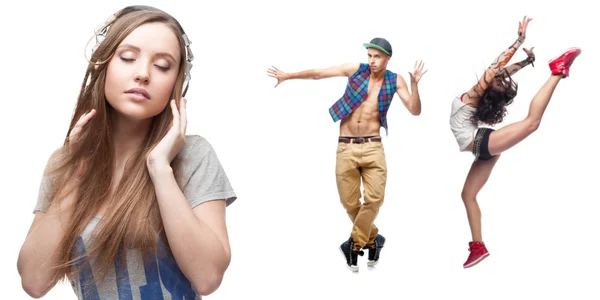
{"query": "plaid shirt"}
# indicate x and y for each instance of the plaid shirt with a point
(356, 93)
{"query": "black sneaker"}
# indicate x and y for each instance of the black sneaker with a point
(374, 252)
(350, 256)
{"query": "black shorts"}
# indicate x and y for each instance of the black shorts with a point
(480, 144)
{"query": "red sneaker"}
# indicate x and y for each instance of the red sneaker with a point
(478, 253)
(561, 64)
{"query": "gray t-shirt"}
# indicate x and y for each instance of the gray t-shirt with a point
(201, 178)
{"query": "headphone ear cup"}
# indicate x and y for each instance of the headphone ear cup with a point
(187, 78)
(184, 90)
(186, 84)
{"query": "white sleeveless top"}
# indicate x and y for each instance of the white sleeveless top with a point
(462, 127)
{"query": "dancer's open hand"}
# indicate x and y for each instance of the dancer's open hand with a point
(418, 72)
(278, 74)
(523, 26)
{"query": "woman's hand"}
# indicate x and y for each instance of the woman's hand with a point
(170, 145)
(523, 27)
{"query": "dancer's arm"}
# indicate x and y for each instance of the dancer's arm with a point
(506, 55)
(514, 68)
(411, 100)
(341, 70)
(500, 61)
(497, 65)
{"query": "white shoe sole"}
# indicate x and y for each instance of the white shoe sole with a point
(371, 263)
(477, 261)
(351, 268)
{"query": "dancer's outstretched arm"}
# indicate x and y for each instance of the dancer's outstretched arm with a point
(500, 61)
(342, 70)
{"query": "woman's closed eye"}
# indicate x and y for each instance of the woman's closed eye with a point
(162, 68)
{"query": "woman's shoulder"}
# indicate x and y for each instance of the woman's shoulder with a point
(196, 146)
(192, 140)
(468, 100)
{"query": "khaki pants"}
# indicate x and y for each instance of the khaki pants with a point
(367, 162)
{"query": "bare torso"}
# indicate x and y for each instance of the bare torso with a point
(364, 121)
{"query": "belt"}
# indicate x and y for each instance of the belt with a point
(358, 140)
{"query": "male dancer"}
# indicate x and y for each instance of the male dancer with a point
(360, 153)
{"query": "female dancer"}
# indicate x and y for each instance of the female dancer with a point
(130, 207)
(485, 104)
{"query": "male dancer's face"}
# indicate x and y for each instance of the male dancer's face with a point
(377, 60)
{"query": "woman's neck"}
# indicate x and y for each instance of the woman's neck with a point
(128, 136)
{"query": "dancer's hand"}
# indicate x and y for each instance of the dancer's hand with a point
(523, 27)
(530, 53)
(530, 56)
(279, 75)
(173, 141)
(416, 75)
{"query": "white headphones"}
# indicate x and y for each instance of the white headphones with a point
(102, 29)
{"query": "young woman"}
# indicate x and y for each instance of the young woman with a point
(130, 207)
(485, 104)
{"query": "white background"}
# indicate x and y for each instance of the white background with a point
(540, 206)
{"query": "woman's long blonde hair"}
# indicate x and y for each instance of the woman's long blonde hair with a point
(132, 219)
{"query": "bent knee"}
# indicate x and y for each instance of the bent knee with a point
(374, 199)
(468, 196)
(349, 206)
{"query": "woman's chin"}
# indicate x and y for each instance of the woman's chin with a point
(136, 113)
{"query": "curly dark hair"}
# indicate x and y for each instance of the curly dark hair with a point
(500, 93)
